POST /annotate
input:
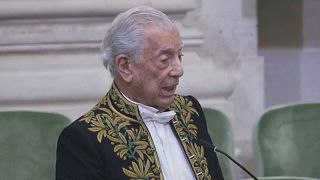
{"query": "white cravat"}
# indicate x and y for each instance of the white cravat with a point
(174, 164)
(151, 114)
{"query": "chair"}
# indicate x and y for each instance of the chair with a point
(221, 134)
(288, 141)
(283, 178)
(28, 144)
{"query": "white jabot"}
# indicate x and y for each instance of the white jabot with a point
(174, 163)
(151, 114)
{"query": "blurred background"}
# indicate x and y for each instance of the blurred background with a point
(241, 57)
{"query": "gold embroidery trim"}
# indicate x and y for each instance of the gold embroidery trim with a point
(135, 144)
(187, 132)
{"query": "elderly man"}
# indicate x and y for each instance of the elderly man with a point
(141, 129)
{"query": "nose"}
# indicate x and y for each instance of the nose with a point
(177, 70)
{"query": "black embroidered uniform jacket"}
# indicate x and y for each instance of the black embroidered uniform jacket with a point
(112, 142)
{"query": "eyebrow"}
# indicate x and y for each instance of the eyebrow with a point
(167, 50)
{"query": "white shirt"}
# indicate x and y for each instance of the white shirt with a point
(173, 161)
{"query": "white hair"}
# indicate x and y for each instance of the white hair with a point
(126, 34)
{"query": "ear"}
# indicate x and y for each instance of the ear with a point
(123, 66)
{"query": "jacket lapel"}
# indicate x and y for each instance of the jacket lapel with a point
(187, 132)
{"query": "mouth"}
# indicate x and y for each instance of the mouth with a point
(168, 91)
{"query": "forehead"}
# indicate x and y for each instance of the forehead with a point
(163, 39)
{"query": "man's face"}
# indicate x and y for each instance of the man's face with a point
(157, 75)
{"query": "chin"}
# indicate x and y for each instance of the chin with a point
(166, 102)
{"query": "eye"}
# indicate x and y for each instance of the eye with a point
(180, 56)
(164, 61)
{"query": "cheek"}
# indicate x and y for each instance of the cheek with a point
(152, 88)
(153, 80)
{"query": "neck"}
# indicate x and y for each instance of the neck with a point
(126, 89)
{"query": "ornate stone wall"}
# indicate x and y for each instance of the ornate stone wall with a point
(50, 59)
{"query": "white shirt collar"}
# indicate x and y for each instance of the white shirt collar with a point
(149, 113)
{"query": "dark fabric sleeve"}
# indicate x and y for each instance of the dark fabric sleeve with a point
(212, 158)
(77, 156)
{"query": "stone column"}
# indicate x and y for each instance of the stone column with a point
(310, 54)
(231, 43)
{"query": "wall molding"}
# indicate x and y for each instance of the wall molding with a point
(70, 8)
